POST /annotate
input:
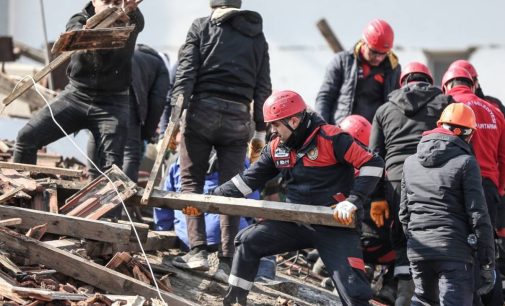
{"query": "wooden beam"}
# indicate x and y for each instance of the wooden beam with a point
(40, 169)
(92, 39)
(81, 269)
(307, 214)
(71, 226)
(10, 222)
(330, 37)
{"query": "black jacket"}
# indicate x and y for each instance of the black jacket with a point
(398, 124)
(318, 173)
(442, 202)
(102, 71)
(335, 99)
(150, 85)
(226, 57)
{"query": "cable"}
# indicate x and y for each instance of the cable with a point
(100, 171)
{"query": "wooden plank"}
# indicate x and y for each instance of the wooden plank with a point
(170, 133)
(16, 179)
(81, 269)
(40, 169)
(10, 194)
(330, 37)
(6, 285)
(10, 222)
(92, 39)
(70, 226)
(307, 214)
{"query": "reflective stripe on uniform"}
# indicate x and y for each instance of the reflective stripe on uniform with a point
(241, 185)
(240, 282)
(371, 171)
(401, 270)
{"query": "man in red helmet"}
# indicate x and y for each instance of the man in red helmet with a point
(316, 161)
(488, 144)
(358, 81)
(396, 130)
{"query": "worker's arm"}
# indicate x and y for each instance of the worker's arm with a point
(189, 63)
(252, 179)
(326, 101)
(476, 209)
(370, 165)
(501, 159)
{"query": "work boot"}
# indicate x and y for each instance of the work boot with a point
(196, 259)
(235, 295)
(404, 292)
(223, 270)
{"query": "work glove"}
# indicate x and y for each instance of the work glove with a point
(191, 211)
(379, 211)
(344, 212)
(487, 279)
(256, 146)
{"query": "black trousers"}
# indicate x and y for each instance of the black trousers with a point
(105, 116)
(225, 126)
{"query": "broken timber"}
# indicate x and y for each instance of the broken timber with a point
(81, 269)
(40, 169)
(307, 214)
(330, 37)
(72, 226)
(92, 39)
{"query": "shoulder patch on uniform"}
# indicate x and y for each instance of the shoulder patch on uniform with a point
(313, 153)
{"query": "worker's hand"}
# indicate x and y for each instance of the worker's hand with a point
(487, 279)
(379, 211)
(344, 212)
(191, 211)
(256, 146)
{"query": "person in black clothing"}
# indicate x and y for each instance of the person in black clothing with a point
(223, 67)
(444, 214)
(358, 81)
(396, 131)
(96, 98)
(148, 97)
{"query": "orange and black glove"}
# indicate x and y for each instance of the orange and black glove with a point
(191, 211)
(379, 211)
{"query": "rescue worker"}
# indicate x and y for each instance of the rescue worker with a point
(488, 145)
(316, 161)
(359, 80)
(396, 130)
(223, 66)
(478, 88)
(444, 215)
(96, 98)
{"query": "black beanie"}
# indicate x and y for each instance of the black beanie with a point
(230, 3)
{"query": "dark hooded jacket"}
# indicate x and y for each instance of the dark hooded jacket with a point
(103, 72)
(150, 85)
(398, 125)
(336, 97)
(442, 202)
(226, 57)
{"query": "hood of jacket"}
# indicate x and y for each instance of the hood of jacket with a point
(438, 146)
(246, 22)
(413, 97)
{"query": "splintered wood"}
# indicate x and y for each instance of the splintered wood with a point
(92, 39)
(99, 197)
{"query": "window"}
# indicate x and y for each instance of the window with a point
(439, 61)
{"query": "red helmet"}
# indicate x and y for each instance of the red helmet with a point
(283, 104)
(358, 127)
(379, 35)
(465, 65)
(454, 73)
(416, 67)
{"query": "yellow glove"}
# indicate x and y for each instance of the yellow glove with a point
(255, 147)
(379, 211)
(344, 212)
(191, 211)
